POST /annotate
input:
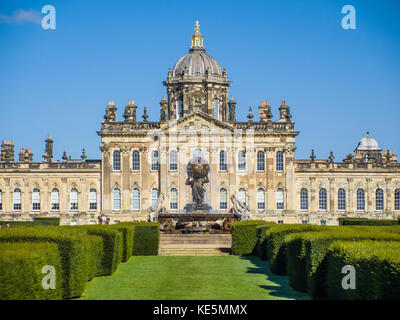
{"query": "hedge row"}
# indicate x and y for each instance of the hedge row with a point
(244, 236)
(36, 222)
(21, 266)
(84, 251)
(306, 255)
(367, 222)
(377, 270)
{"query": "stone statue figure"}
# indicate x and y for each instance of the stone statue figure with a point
(156, 209)
(240, 208)
(197, 170)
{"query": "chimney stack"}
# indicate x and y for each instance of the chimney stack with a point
(7, 151)
(25, 155)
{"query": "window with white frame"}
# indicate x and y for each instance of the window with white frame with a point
(55, 200)
(216, 109)
(379, 197)
(303, 199)
(260, 161)
(280, 205)
(17, 200)
(222, 161)
(116, 160)
(341, 199)
(154, 197)
(173, 160)
(116, 201)
(260, 199)
(241, 160)
(360, 199)
(154, 160)
(397, 199)
(92, 199)
(73, 200)
(1, 200)
(223, 199)
(136, 199)
(242, 195)
(36, 199)
(323, 222)
(323, 199)
(173, 199)
(279, 161)
(135, 161)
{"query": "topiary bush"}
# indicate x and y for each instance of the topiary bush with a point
(377, 267)
(275, 244)
(72, 247)
(244, 236)
(112, 246)
(146, 238)
(21, 274)
(127, 239)
(306, 256)
(261, 246)
(94, 250)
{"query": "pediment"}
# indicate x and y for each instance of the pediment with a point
(197, 122)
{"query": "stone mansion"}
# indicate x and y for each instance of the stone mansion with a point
(254, 160)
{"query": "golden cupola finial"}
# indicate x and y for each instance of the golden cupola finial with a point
(197, 37)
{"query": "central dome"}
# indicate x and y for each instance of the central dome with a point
(197, 61)
(368, 143)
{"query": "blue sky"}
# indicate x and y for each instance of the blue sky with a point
(339, 83)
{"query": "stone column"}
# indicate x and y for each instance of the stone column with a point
(388, 197)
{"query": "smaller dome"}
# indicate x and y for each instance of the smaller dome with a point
(368, 143)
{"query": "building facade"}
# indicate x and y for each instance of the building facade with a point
(254, 160)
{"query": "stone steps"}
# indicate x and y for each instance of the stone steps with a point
(195, 244)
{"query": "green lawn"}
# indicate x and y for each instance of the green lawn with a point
(197, 278)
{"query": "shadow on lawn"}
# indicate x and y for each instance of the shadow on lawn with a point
(282, 288)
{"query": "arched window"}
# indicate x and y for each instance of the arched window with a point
(92, 199)
(260, 199)
(279, 161)
(323, 199)
(136, 199)
(73, 200)
(55, 200)
(222, 161)
(154, 197)
(180, 108)
(260, 161)
(241, 160)
(135, 161)
(216, 109)
(242, 196)
(1, 200)
(379, 199)
(360, 200)
(303, 199)
(17, 200)
(116, 160)
(173, 160)
(154, 161)
(173, 199)
(341, 199)
(223, 199)
(397, 199)
(116, 199)
(280, 205)
(36, 199)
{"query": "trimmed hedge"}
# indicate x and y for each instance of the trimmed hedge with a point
(244, 236)
(21, 271)
(367, 222)
(275, 243)
(72, 247)
(146, 238)
(306, 256)
(261, 246)
(36, 222)
(127, 239)
(112, 246)
(377, 268)
(94, 250)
